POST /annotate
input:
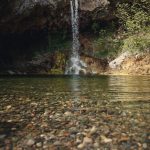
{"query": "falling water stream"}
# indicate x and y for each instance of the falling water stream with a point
(75, 65)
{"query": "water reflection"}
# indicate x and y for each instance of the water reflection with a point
(75, 88)
(129, 88)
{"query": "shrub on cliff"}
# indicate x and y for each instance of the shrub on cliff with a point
(134, 16)
(135, 20)
(138, 43)
(107, 45)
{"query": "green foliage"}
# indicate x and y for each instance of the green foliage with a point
(135, 18)
(95, 27)
(107, 45)
(137, 43)
(58, 41)
(60, 60)
(134, 15)
(56, 71)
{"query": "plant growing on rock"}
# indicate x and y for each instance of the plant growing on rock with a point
(137, 43)
(107, 45)
(135, 20)
(134, 16)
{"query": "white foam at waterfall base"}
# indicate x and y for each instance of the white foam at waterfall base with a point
(75, 64)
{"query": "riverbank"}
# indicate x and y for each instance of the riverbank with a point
(133, 65)
(48, 64)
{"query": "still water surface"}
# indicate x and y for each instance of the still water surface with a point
(130, 90)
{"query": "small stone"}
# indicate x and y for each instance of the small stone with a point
(67, 114)
(52, 137)
(124, 114)
(47, 94)
(42, 135)
(57, 143)
(46, 113)
(96, 145)
(11, 72)
(13, 129)
(87, 140)
(105, 139)
(14, 139)
(2, 136)
(139, 144)
(78, 141)
(124, 139)
(30, 142)
(81, 146)
(39, 144)
(93, 130)
(8, 107)
(144, 145)
(45, 147)
(45, 142)
(44, 125)
(34, 104)
(9, 121)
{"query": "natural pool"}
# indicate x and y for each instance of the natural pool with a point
(74, 112)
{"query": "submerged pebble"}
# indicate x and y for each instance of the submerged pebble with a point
(68, 114)
(2, 136)
(87, 140)
(93, 130)
(105, 139)
(30, 142)
(39, 144)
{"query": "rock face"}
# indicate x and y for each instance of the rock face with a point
(118, 61)
(131, 64)
(23, 15)
(22, 20)
(90, 5)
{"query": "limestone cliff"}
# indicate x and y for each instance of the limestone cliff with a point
(23, 15)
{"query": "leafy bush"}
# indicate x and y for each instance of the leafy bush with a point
(107, 45)
(135, 18)
(134, 15)
(95, 27)
(137, 43)
(57, 42)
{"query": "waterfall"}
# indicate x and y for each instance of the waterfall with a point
(75, 65)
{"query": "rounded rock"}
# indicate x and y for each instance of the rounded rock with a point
(145, 146)
(30, 142)
(87, 140)
(93, 130)
(39, 144)
(81, 146)
(68, 114)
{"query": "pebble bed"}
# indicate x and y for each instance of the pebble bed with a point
(73, 125)
(56, 119)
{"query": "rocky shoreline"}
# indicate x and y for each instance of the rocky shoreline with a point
(48, 64)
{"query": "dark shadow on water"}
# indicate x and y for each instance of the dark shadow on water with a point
(52, 76)
(64, 76)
